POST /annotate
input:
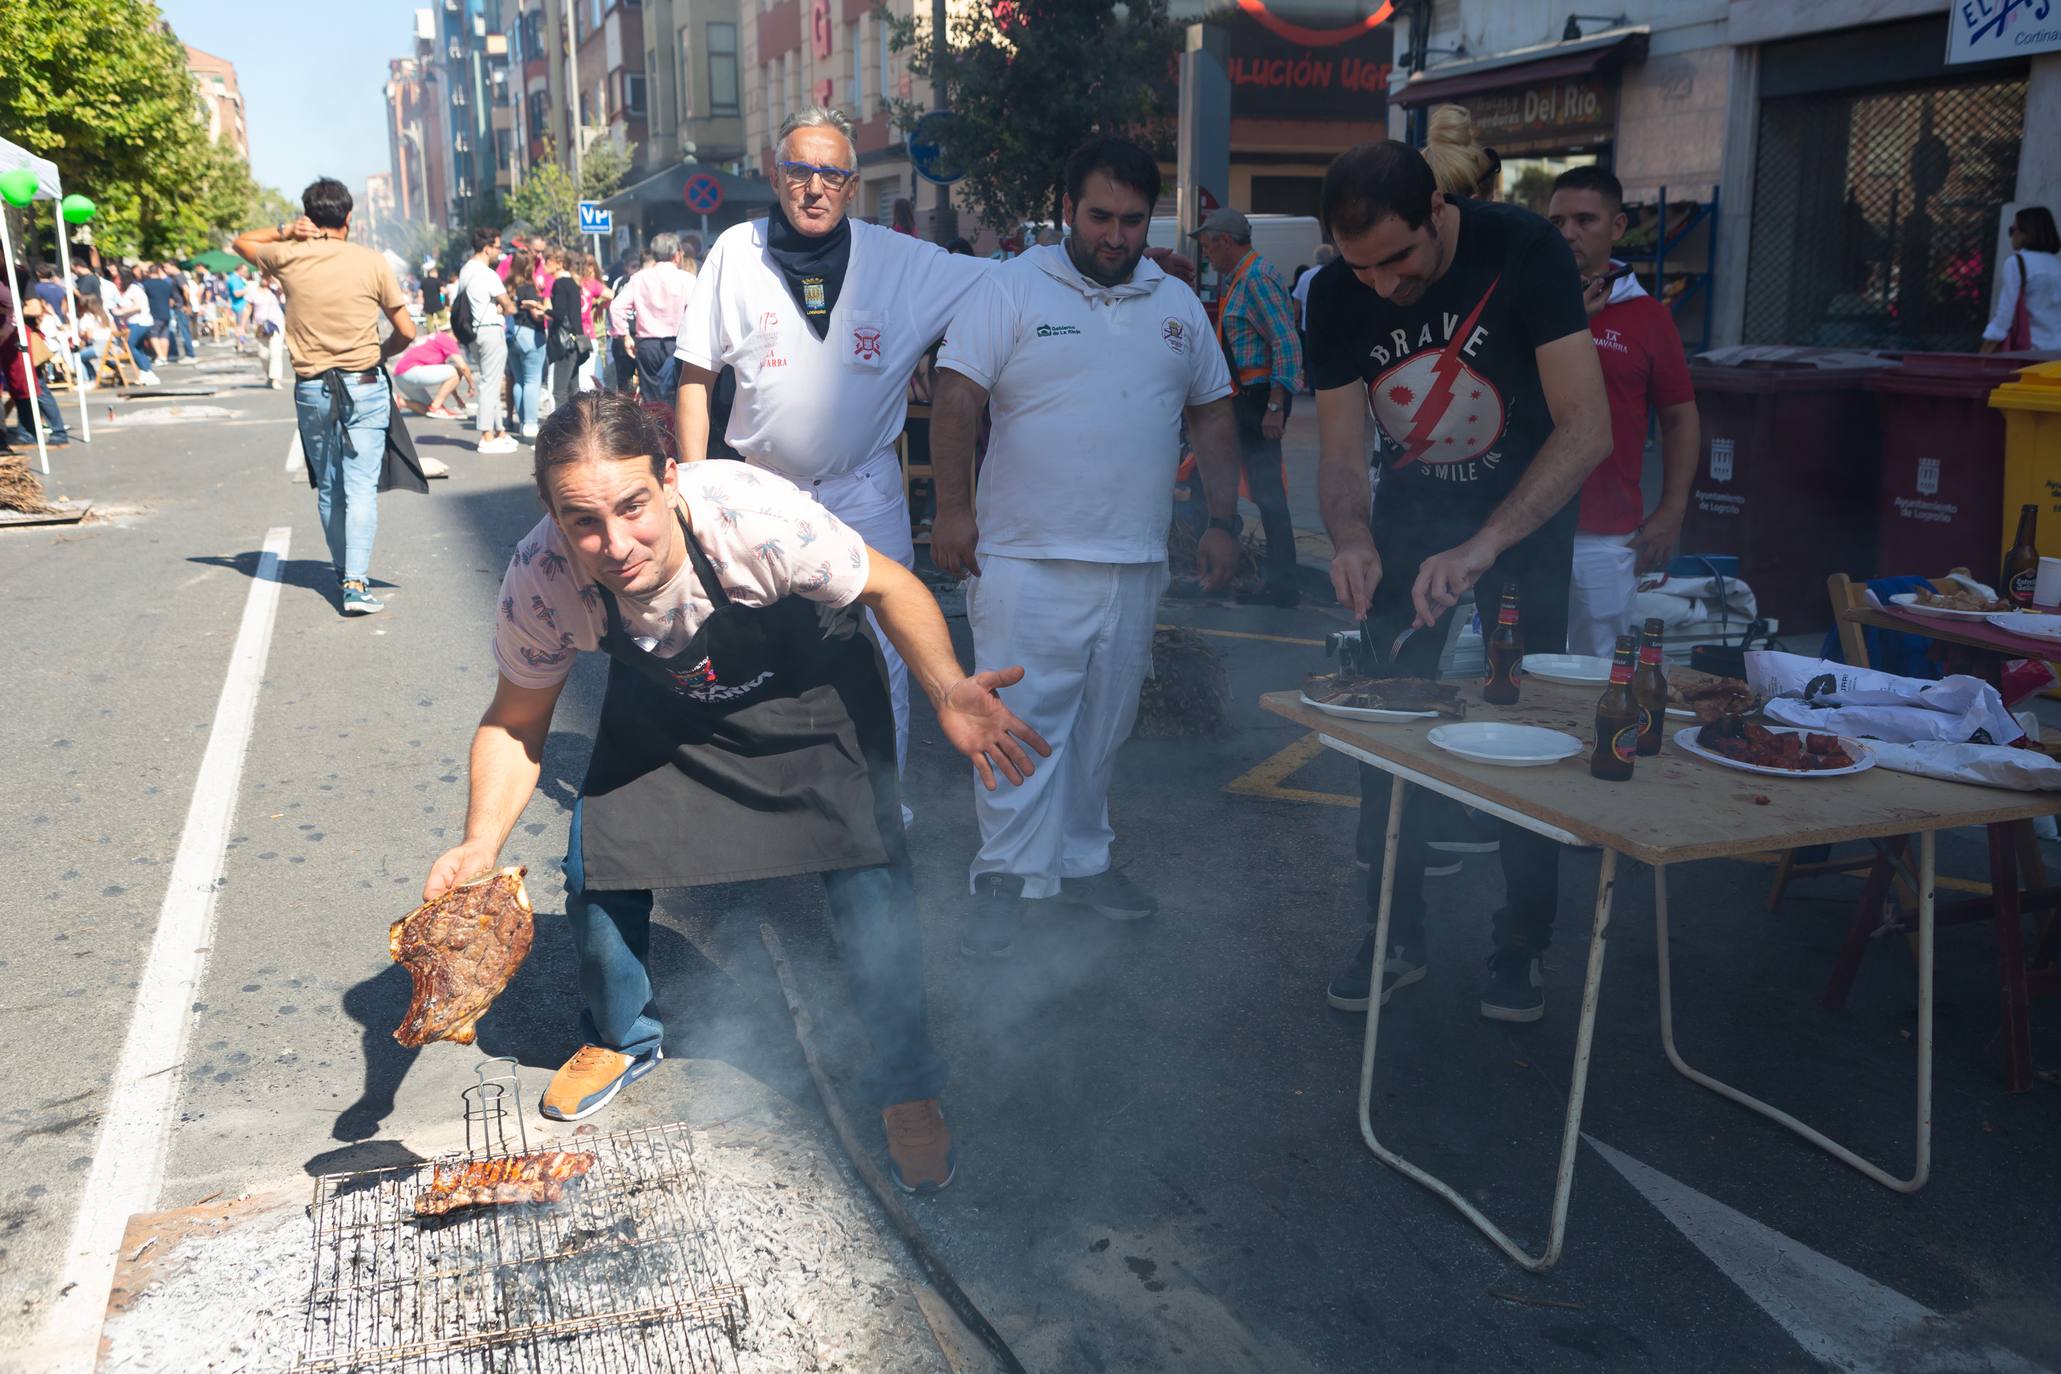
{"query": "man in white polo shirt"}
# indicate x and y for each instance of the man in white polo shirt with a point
(1090, 358)
(823, 319)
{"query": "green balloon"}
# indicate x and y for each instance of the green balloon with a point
(76, 209)
(19, 186)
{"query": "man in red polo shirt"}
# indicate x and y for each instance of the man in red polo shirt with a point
(1643, 370)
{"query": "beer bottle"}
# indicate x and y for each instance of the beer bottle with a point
(1617, 720)
(1505, 652)
(1649, 687)
(2022, 563)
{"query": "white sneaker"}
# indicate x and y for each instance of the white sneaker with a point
(529, 432)
(148, 379)
(504, 444)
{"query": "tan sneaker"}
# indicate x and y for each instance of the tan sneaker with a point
(590, 1078)
(920, 1152)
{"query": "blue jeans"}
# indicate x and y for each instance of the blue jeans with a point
(346, 485)
(182, 335)
(89, 360)
(137, 349)
(526, 371)
(873, 911)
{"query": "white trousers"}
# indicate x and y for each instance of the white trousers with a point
(871, 499)
(1082, 633)
(1599, 599)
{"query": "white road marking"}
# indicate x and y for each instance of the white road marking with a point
(296, 461)
(129, 1158)
(1841, 1317)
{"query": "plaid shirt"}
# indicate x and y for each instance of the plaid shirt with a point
(1257, 327)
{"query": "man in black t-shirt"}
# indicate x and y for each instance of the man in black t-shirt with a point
(1460, 325)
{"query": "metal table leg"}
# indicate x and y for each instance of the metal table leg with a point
(1927, 844)
(1570, 1134)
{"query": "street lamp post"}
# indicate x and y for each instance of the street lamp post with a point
(947, 227)
(572, 87)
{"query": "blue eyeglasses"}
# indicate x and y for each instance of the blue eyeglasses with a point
(801, 173)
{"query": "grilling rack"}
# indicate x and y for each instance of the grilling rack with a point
(626, 1274)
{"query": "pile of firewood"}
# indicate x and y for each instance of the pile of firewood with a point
(1187, 694)
(21, 489)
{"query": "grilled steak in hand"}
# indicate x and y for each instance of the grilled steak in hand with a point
(461, 950)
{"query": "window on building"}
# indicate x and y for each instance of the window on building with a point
(722, 68)
(594, 8)
(853, 41)
(791, 85)
(633, 93)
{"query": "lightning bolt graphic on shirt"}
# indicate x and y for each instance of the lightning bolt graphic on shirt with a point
(1445, 373)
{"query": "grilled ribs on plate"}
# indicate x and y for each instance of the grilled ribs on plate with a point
(461, 950)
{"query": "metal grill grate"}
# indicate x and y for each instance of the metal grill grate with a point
(1875, 216)
(624, 1274)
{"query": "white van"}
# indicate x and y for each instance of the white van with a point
(1286, 241)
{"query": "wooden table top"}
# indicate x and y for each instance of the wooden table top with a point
(1676, 807)
(1973, 634)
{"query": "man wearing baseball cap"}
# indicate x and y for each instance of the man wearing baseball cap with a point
(1256, 328)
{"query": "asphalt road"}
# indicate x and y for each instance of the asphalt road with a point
(1160, 1164)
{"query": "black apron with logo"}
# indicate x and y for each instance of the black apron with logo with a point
(765, 747)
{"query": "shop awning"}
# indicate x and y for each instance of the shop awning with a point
(1527, 67)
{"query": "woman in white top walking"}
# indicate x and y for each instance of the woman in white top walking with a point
(2028, 313)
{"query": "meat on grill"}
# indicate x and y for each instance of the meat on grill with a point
(537, 1177)
(461, 950)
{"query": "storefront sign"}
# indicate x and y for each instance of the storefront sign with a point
(1556, 114)
(1279, 77)
(1987, 30)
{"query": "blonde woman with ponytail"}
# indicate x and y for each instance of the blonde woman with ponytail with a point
(1460, 165)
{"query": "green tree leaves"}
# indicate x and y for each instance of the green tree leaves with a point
(100, 87)
(1028, 81)
(549, 201)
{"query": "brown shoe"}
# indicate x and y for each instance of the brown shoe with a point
(920, 1151)
(593, 1076)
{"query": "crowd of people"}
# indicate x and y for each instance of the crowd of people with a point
(126, 321)
(762, 624)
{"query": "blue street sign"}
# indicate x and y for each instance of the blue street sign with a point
(594, 219)
(926, 150)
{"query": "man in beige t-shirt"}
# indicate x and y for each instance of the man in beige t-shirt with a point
(336, 291)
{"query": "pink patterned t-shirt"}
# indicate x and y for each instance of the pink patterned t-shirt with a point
(763, 537)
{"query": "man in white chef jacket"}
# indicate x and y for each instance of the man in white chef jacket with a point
(823, 319)
(1089, 358)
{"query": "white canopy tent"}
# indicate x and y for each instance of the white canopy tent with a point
(47, 188)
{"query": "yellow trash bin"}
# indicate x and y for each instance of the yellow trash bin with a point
(2031, 403)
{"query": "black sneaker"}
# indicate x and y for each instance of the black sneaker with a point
(1348, 990)
(1515, 991)
(1110, 893)
(988, 930)
(1467, 832)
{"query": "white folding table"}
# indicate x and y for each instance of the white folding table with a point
(1675, 809)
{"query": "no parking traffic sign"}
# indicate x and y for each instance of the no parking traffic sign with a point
(703, 194)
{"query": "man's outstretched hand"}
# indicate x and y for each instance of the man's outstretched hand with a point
(987, 732)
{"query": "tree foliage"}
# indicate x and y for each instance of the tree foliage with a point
(100, 87)
(548, 200)
(1028, 81)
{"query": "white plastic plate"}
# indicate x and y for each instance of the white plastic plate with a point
(1863, 756)
(1909, 601)
(1511, 746)
(1371, 713)
(1572, 670)
(2028, 623)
